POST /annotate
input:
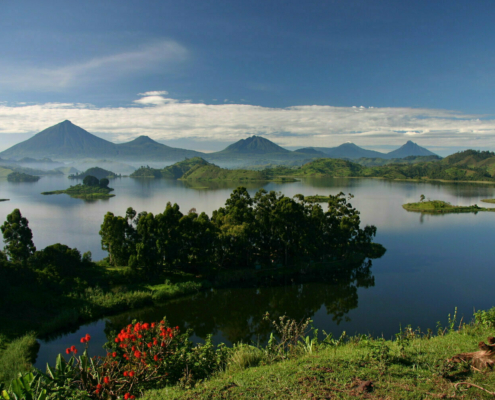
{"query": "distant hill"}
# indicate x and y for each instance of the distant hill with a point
(375, 162)
(348, 150)
(68, 141)
(409, 149)
(175, 171)
(96, 172)
(253, 145)
(466, 166)
(353, 152)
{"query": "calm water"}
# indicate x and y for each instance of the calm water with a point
(432, 264)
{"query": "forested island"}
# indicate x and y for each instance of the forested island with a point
(466, 166)
(198, 169)
(22, 177)
(97, 172)
(442, 207)
(92, 188)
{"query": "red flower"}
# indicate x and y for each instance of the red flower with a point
(125, 373)
(67, 350)
(87, 337)
(137, 354)
(99, 386)
(114, 354)
(116, 340)
(127, 396)
(106, 379)
(156, 357)
(75, 351)
(83, 340)
(131, 374)
(73, 348)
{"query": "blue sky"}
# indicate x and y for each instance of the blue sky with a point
(201, 75)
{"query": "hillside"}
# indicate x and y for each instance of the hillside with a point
(451, 170)
(375, 162)
(409, 149)
(348, 150)
(174, 171)
(352, 152)
(96, 172)
(253, 145)
(68, 141)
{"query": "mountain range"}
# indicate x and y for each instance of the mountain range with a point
(66, 141)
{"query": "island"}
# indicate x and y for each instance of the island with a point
(22, 177)
(197, 169)
(488, 200)
(442, 207)
(92, 188)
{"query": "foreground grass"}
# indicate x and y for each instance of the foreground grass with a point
(17, 356)
(411, 368)
(442, 207)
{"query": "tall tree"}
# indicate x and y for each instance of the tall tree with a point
(18, 237)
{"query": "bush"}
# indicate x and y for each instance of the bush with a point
(175, 290)
(486, 318)
(17, 357)
(142, 356)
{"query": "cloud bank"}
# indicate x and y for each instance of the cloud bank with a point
(164, 118)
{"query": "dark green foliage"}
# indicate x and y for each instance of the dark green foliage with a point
(17, 357)
(96, 172)
(22, 177)
(17, 237)
(269, 229)
(104, 182)
(90, 180)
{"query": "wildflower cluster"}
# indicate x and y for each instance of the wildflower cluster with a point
(142, 356)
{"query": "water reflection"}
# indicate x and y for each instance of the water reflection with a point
(236, 314)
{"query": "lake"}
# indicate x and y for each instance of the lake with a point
(433, 263)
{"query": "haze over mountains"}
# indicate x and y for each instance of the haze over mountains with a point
(66, 141)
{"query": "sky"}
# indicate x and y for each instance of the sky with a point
(204, 74)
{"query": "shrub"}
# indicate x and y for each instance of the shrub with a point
(486, 318)
(17, 357)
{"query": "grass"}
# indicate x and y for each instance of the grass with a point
(17, 356)
(442, 207)
(488, 200)
(413, 367)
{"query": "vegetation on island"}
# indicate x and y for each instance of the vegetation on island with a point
(441, 207)
(97, 172)
(22, 177)
(488, 200)
(197, 169)
(91, 188)
(469, 165)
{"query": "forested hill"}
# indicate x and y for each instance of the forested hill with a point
(470, 165)
(198, 169)
(174, 171)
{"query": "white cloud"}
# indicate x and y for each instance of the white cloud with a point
(154, 93)
(164, 118)
(151, 57)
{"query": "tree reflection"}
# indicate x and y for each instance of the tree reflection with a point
(237, 313)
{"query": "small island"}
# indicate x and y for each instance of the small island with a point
(317, 198)
(92, 188)
(488, 200)
(442, 207)
(22, 177)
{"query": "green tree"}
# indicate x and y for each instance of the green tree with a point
(18, 237)
(422, 197)
(104, 182)
(91, 180)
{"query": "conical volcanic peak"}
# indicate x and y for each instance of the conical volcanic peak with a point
(61, 140)
(142, 140)
(68, 141)
(254, 145)
(410, 149)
